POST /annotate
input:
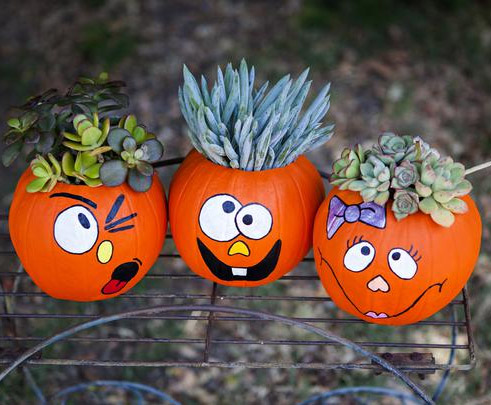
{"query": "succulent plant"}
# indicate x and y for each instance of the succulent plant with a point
(405, 203)
(237, 126)
(47, 173)
(136, 155)
(139, 132)
(374, 181)
(410, 172)
(84, 167)
(90, 136)
(405, 175)
(75, 128)
(347, 168)
(442, 182)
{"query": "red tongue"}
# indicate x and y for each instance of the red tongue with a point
(113, 286)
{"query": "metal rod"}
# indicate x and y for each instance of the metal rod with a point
(276, 318)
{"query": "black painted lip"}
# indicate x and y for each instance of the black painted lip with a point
(257, 272)
(439, 285)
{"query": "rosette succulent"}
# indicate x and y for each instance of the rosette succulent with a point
(135, 157)
(76, 129)
(408, 171)
(238, 126)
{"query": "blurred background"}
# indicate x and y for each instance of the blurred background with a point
(410, 67)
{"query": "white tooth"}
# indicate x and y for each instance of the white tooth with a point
(239, 271)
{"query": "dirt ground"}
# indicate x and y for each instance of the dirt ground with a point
(407, 67)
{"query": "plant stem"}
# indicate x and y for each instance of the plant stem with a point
(477, 168)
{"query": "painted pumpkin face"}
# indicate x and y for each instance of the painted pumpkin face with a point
(390, 272)
(85, 244)
(243, 228)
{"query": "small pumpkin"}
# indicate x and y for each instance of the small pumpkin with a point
(86, 243)
(242, 228)
(242, 209)
(387, 271)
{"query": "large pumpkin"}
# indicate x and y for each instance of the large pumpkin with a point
(243, 228)
(84, 244)
(387, 271)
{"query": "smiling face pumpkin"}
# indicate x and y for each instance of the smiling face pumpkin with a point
(243, 228)
(387, 271)
(85, 244)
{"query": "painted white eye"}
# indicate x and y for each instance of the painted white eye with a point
(359, 256)
(76, 230)
(254, 221)
(217, 217)
(402, 263)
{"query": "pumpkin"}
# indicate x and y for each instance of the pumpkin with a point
(241, 228)
(387, 271)
(87, 243)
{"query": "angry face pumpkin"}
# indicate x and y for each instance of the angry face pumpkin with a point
(387, 271)
(243, 228)
(85, 244)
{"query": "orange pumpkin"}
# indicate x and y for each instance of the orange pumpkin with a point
(387, 271)
(241, 228)
(84, 244)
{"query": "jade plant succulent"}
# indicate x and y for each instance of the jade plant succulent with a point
(78, 138)
(238, 126)
(410, 172)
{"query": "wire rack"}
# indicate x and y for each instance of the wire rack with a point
(210, 334)
(203, 324)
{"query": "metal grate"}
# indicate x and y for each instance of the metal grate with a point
(202, 335)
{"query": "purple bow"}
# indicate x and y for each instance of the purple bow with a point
(368, 212)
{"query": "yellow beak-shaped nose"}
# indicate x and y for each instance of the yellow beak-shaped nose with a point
(239, 248)
(105, 251)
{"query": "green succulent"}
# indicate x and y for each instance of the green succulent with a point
(135, 160)
(47, 173)
(85, 167)
(75, 128)
(405, 175)
(139, 132)
(405, 203)
(374, 181)
(90, 134)
(410, 172)
(442, 182)
(347, 168)
(238, 126)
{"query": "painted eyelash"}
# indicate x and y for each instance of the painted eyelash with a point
(414, 254)
(351, 244)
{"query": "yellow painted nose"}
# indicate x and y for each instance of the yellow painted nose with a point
(105, 251)
(239, 248)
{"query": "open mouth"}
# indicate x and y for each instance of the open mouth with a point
(225, 272)
(380, 315)
(121, 276)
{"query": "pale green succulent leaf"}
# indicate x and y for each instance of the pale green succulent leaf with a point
(443, 217)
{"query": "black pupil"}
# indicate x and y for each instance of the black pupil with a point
(247, 219)
(228, 206)
(83, 221)
(365, 250)
(396, 255)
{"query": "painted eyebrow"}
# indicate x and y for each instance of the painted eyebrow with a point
(75, 197)
(115, 208)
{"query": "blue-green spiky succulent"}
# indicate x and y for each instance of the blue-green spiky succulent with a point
(239, 126)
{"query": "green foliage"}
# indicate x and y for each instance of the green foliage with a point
(238, 126)
(76, 129)
(136, 149)
(408, 170)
